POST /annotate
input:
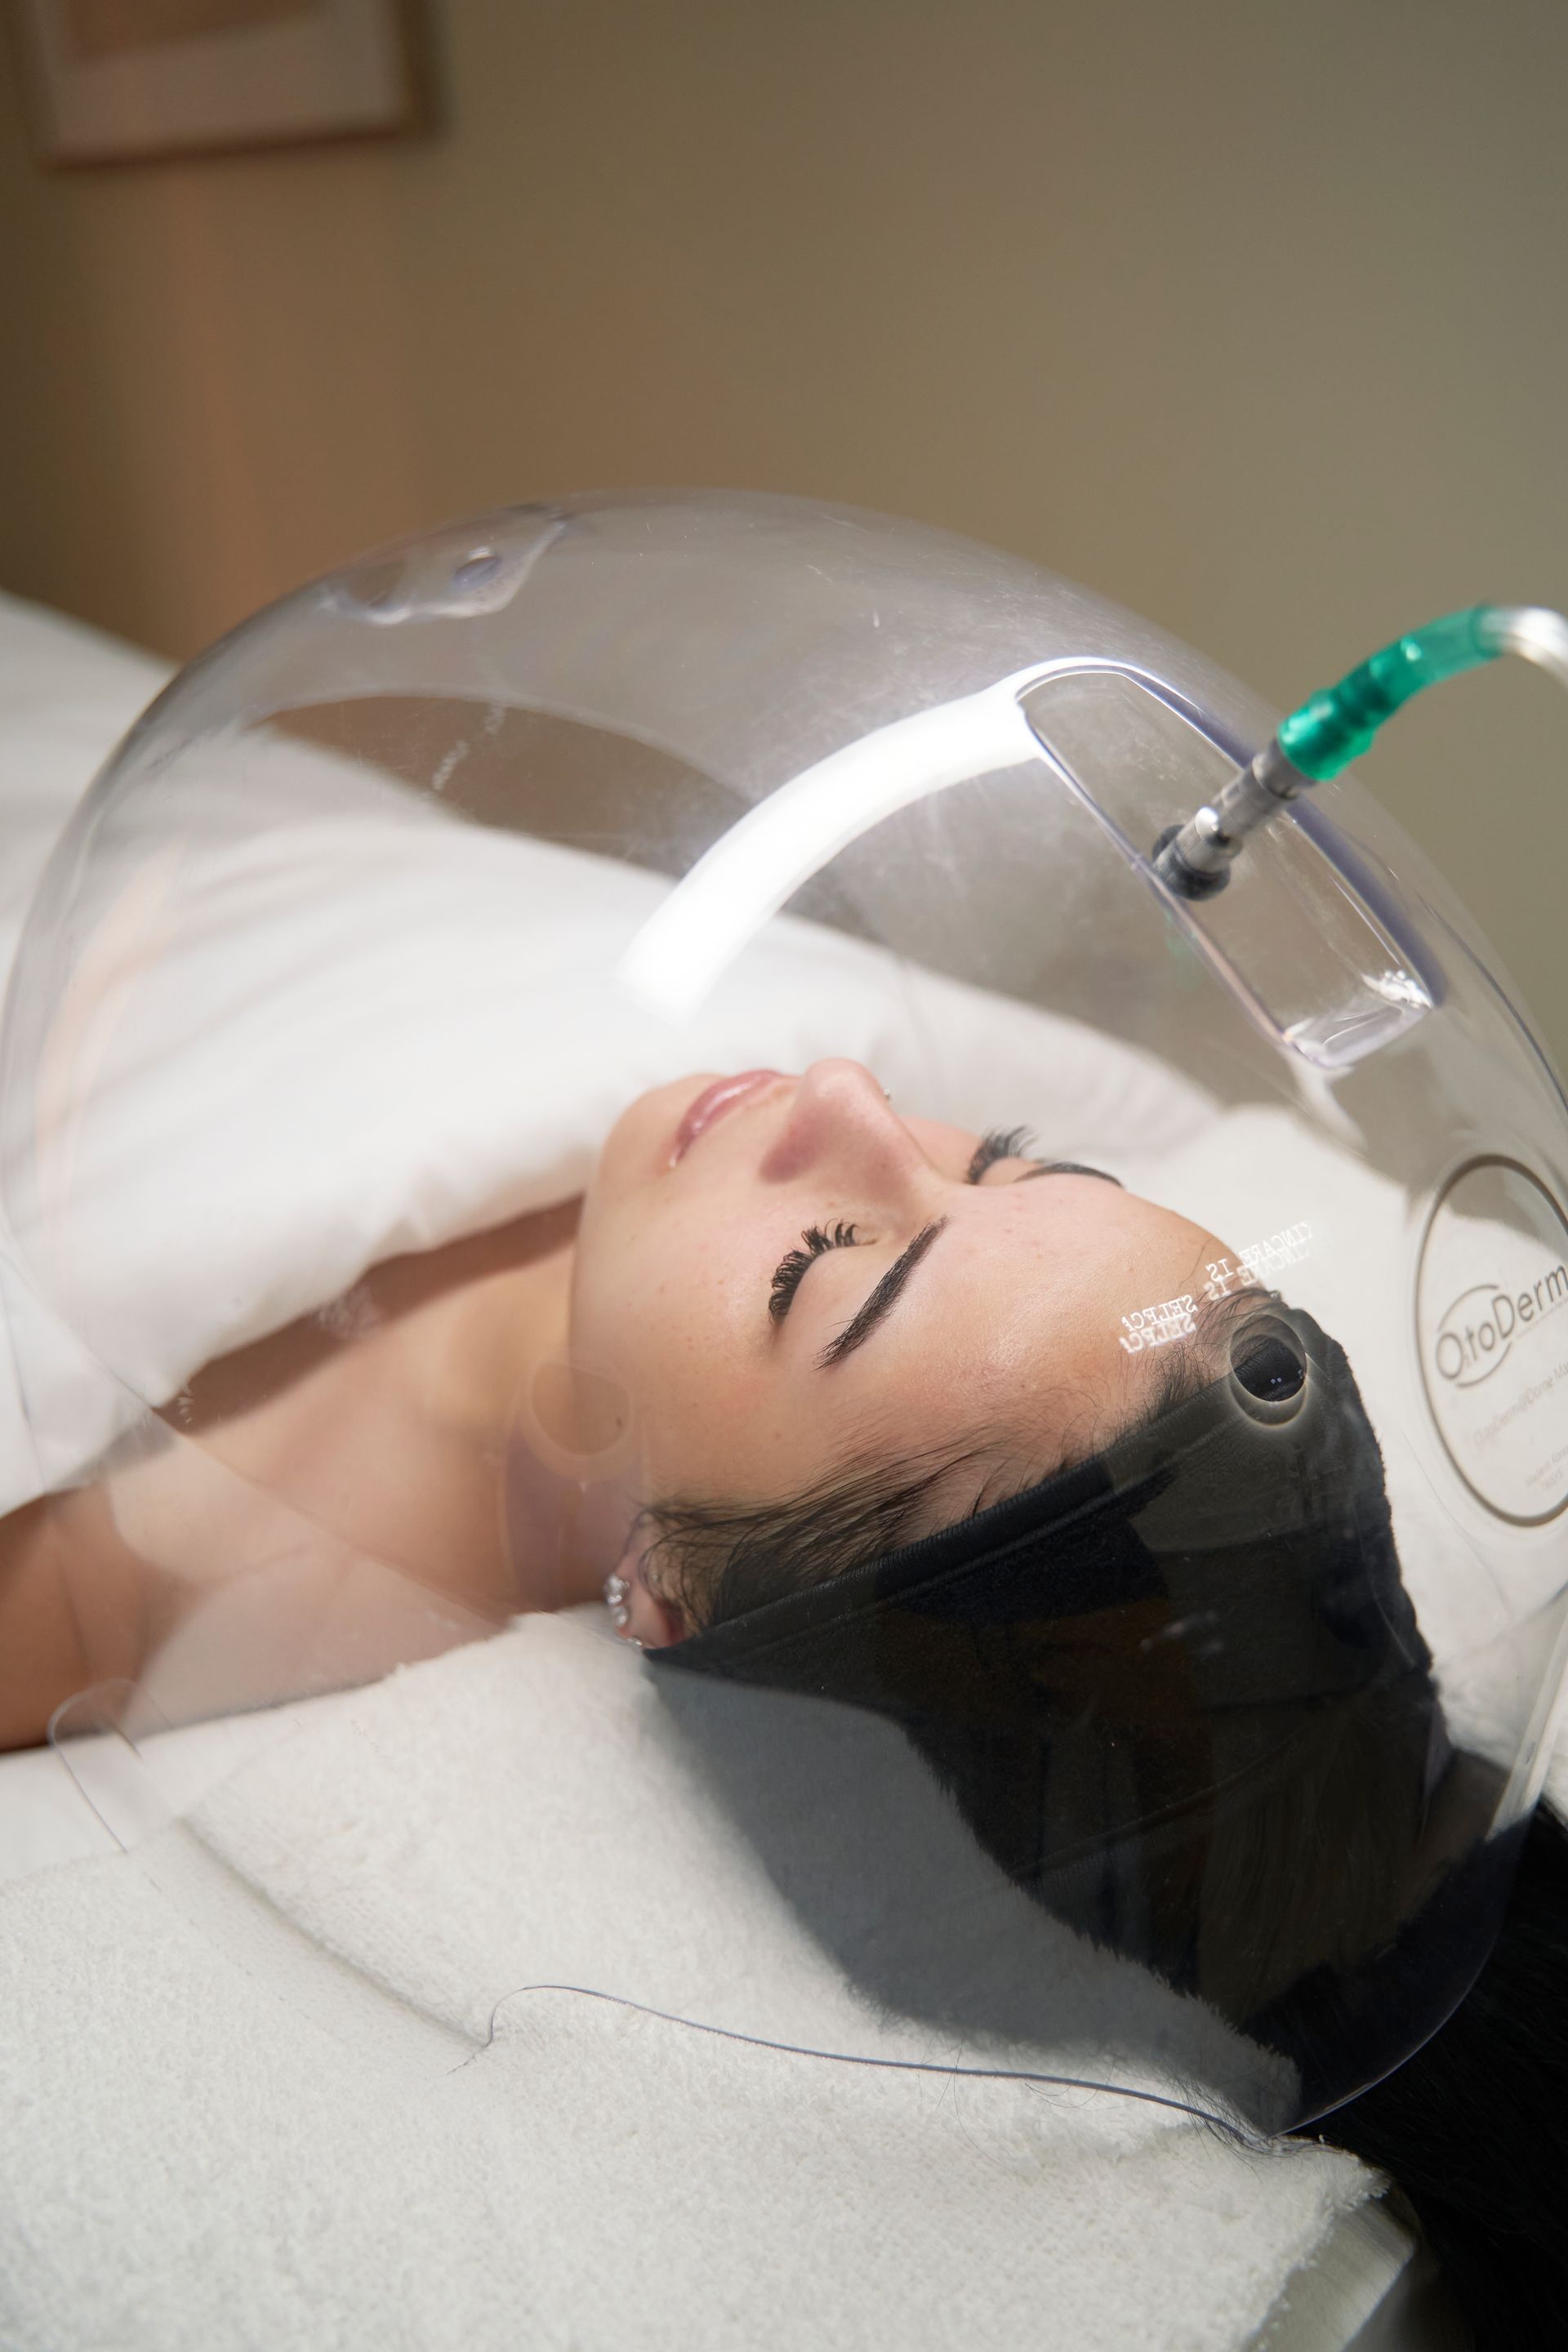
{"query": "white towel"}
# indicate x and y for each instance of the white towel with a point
(219, 2135)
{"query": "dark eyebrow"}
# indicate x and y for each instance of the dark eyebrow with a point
(870, 1314)
(1066, 1168)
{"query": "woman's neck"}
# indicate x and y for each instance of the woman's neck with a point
(503, 1316)
(405, 1419)
(505, 1365)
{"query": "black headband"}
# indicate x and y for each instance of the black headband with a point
(1253, 1535)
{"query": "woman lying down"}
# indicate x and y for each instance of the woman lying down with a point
(827, 1400)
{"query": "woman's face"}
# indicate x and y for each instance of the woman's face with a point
(777, 1276)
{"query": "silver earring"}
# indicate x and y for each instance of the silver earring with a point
(617, 1599)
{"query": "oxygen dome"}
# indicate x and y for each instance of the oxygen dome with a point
(527, 1074)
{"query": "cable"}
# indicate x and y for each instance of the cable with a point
(1338, 726)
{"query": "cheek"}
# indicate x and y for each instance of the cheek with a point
(671, 1308)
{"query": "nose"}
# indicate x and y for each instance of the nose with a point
(843, 1133)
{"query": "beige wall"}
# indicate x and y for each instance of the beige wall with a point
(1252, 313)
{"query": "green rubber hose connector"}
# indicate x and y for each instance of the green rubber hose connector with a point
(1331, 730)
(1194, 860)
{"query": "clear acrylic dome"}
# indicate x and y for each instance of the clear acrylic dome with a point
(1148, 1681)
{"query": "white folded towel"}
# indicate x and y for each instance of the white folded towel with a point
(222, 2135)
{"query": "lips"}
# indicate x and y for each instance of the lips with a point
(713, 1104)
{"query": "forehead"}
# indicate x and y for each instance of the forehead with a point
(1041, 1306)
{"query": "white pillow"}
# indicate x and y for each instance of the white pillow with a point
(319, 1021)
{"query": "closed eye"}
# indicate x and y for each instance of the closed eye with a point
(792, 1268)
(999, 1143)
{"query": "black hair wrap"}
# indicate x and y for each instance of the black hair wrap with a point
(1178, 1694)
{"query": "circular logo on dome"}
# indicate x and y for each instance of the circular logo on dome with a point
(1492, 1326)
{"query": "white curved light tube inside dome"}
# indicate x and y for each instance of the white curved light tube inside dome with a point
(684, 948)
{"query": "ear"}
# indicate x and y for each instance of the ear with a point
(638, 1614)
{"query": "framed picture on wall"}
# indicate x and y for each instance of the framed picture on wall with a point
(122, 81)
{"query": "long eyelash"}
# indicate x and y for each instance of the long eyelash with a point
(792, 1264)
(998, 1143)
